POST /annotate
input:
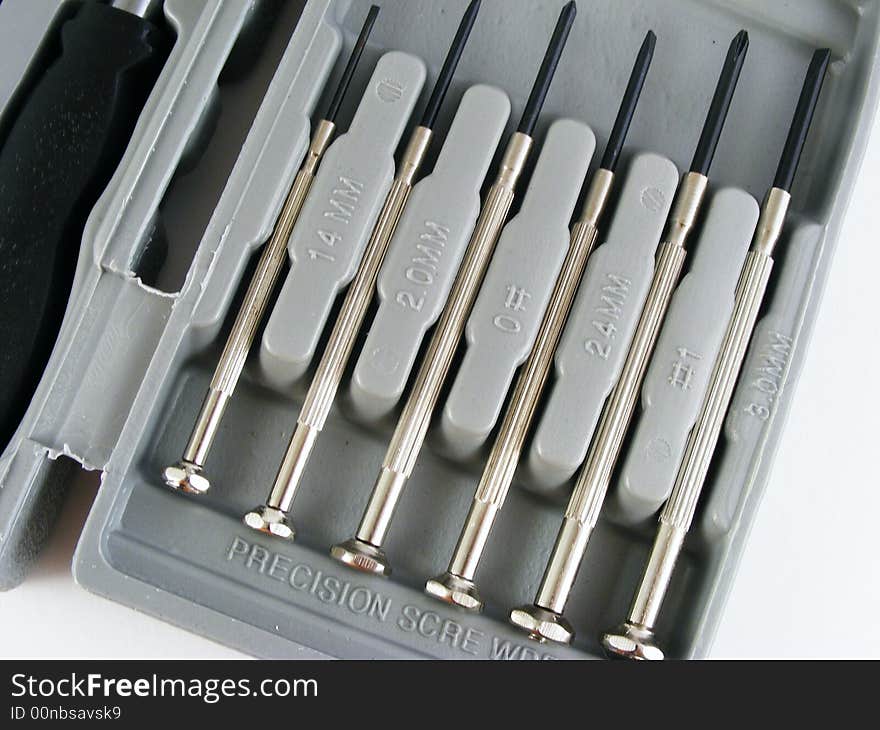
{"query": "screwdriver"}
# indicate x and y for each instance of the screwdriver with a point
(59, 153)
(544, 619)
(187, 475)
(634, 639)
(456, 585)
(364, 551)
(273, 518)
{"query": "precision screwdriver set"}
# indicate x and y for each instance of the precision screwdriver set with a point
(484, 344)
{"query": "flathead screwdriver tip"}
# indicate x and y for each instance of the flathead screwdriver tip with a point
(628, 105)
(803, 118)
(548, 68)
(353, 60)
(727, 81)
(444, 79)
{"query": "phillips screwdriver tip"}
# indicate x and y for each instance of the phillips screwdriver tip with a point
(444, 79)
(740, 43)
(351, 66)
(548, 68)
(803, 118)
(628, 105)
(717, 115)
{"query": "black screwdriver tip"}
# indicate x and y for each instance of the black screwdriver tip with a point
(736, 56)
(449, 65)
(740, 43)
(548, 68)
(617, 138)
(803, 117)
(353, 59)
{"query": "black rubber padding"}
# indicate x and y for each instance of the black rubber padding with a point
(57, 157)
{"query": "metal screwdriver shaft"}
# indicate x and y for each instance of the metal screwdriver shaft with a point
(364, 551)
(634, 639)
(456, 585)
(274, 517)
(544, 619)
(187, 475)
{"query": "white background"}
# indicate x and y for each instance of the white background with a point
(807, 587)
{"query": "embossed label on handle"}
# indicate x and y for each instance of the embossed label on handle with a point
(678, 375)
(602, 322)
(338, 217)
(511, 303)
(426, 250)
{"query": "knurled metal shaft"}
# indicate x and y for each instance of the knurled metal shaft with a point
(678, 512)
(409, 435)
(328, 375)
(594, 478)
(241, 337)
(505, 454)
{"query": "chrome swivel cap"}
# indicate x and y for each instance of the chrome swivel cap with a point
(542, 625)
(187, 477)
(455, 590)
(631, 641)
(271, 521)
(361, 556)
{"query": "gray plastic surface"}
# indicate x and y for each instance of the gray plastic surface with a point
(426, 250)
(602, 322)
(22, 33)
(508, 310)
(687, 347)
(337, 218)
(190, 561)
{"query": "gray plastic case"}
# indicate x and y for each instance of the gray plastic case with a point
(191, 561)
(113, 321)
